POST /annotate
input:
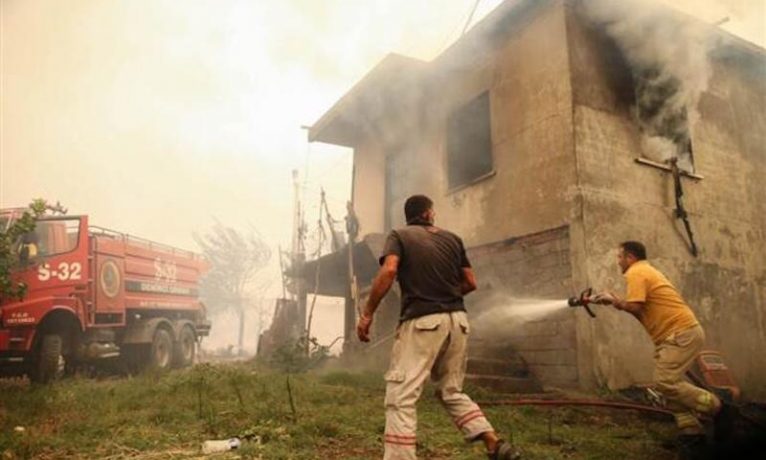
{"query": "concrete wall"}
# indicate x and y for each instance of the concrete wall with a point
(369, 186)
(564, 144)
(625, 200)
(532, 189)
(530, 125)
(515, 274)
(512, 274)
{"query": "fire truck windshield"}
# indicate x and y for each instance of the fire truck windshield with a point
(52, 237)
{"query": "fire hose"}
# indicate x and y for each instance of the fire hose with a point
(577, 402)
(680, 211)
(584, 300)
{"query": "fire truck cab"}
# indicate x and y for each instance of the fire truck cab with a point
(94, 294)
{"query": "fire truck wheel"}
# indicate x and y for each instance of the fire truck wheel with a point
(134, 357)
(162, 350)
(185, 348)
(50, 363)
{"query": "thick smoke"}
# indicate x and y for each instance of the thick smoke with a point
(668, 55)
(501, 316)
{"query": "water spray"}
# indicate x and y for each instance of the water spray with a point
(584, 300)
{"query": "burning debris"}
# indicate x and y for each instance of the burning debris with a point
(669, 62)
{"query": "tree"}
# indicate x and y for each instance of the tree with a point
(235, 260)
(9, 256)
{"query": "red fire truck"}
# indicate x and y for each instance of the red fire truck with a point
(95, 294)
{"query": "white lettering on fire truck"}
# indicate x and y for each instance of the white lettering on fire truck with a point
(163, 289)
(156, 304)
(20, 317)
(165, 271)
(63, 272)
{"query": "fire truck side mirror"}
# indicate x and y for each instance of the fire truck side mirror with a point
(27, 253)
(24, 254)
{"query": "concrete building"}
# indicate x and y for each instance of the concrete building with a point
(524, 134)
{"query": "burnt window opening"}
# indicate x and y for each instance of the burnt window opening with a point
(663, 120)
(650, 95)
(469, 142)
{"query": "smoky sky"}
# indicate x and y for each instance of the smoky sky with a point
(156, 116)
(135, 111)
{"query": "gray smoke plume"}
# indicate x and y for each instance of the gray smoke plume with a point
(668, 55)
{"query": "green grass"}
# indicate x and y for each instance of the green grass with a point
(338, 415)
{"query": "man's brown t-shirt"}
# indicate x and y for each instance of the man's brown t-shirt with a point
(431, 262)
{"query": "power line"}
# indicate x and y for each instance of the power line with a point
(446, 42)
(470, 17)
(333, 166)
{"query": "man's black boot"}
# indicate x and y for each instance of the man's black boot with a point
(504, 451)
(724, 421)
(693, 447)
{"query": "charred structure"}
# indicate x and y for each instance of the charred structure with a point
(574, 114)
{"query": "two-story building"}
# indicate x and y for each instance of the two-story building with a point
(524, 133)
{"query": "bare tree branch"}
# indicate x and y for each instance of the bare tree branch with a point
(235, 261)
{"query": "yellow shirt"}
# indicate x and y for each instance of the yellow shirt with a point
(664, 312)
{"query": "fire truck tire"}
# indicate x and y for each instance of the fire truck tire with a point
(50, 363)
(134, 357)
(186, 348)
(161, 352)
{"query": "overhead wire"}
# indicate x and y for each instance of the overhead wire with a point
(470, 17)
(333, 166)
(448, 38)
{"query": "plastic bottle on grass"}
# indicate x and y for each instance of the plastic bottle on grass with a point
(220, 445)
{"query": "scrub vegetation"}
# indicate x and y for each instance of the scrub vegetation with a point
(324, 414)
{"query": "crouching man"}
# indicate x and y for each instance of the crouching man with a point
(434, 275)
(677, 337)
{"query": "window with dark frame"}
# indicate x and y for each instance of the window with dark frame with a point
(469, 142)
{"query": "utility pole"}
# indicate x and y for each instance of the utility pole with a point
(298, 258)
(351, 312)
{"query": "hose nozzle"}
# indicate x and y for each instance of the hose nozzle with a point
(582, 301)
(575, 302)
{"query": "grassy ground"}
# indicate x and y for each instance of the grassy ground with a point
(337, 415)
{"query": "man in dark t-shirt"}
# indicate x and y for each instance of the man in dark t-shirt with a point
(434, 274)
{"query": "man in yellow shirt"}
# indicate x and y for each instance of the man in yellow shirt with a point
(676, 334)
